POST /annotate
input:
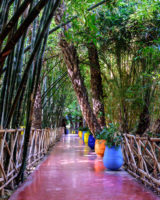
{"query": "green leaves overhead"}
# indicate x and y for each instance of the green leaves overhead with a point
(127, 36)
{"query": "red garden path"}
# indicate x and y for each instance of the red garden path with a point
(73, 172)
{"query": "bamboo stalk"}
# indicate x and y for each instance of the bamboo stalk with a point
(14, 20)
(23, 27)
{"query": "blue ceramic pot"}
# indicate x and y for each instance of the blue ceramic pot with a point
(113, 158)
(91, 141)
(83, 135)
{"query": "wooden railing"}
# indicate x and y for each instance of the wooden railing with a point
(142, 159)
(11, 149)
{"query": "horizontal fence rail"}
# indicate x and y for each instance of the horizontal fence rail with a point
(142, 159)
(11, 149)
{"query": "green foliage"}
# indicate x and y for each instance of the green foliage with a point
(111, 135)
(127, 36)
(80, 128)
(85, 129)
(102, 134)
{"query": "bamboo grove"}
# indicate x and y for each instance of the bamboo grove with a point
(98, 60)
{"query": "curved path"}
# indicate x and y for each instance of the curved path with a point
(73, 172)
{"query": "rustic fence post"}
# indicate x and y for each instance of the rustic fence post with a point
(39, 143)
(1, 162)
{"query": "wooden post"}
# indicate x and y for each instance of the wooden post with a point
(140, 160)
(12, 151)
(1, 162)
(155, 161)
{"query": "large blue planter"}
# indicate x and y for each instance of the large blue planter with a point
(113, 158)
(91, 141)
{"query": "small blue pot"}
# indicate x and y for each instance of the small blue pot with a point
(83, 135)
(113, 158)
(91, 141)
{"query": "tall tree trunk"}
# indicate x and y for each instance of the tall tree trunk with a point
(37, 110)
(96, 84)
(72, 63)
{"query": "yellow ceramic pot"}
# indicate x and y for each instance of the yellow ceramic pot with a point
(86, 136)
(80, 134)
(22, 127)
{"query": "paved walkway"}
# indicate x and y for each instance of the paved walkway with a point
(73, 172)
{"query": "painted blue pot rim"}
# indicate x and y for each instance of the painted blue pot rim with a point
(113, 147)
